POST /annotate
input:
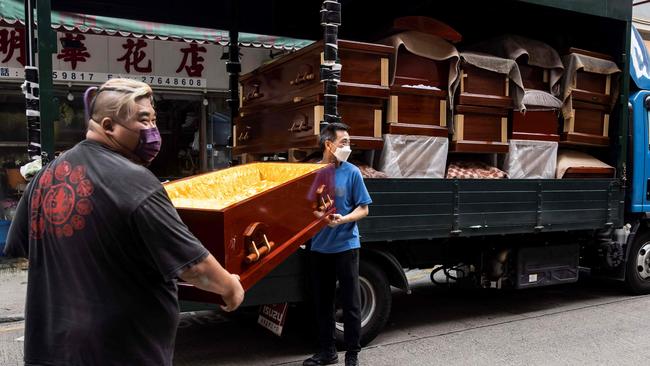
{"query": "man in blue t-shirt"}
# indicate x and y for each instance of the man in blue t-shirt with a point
(335, 252)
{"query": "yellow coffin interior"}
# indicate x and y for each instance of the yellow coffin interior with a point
(218, 190)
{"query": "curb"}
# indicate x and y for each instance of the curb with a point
(11, 319)
(13, 264)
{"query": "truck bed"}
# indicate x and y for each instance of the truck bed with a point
(406, 209)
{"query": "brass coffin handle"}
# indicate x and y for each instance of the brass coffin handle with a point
(300, 123)
(244, 135)
(256, 242)
(303, 76)
(255, 93)
(323, 200)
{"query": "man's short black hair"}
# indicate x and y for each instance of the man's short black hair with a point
(329, 132)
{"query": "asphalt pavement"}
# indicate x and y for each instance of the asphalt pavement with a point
(588, 323)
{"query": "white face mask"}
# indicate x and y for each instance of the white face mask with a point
(342, 153)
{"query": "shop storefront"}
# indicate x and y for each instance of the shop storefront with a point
(189, 80)
(184, 65)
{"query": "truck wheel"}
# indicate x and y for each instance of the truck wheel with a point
(637, 274)
(376, 301)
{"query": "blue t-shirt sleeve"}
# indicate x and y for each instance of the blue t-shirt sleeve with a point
(360, 192)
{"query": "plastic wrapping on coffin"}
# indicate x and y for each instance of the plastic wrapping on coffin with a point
(412, 156)
(529, 159)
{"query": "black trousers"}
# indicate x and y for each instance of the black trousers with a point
(326, 269)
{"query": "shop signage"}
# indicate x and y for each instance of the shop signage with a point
(12, 73)
(92, 59)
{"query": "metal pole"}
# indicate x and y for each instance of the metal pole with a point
(46, 47)
(29, 33)
(203, 151)
(233, 66)
(330, 69)
(30, 87)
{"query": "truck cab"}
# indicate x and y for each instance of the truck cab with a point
(640, 128)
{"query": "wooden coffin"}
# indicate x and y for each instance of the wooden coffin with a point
(298, 74)
(535, 125)
(534, 77)
(412, 69)
(480, 130)
(297, 125)
(587, 125)
(591, 87)
(426, 25)
(252, 217)
(589, 172)
(413, 111)
(484, 88)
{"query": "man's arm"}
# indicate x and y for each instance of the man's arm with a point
(209, 275)
(174, 251)
(357, 214)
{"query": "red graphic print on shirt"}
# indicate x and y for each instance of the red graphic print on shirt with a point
(61, 201)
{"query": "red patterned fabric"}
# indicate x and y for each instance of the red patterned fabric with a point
(474, 170)
(368, 172)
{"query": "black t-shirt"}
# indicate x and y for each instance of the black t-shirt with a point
(105, 246)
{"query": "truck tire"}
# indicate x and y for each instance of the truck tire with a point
(637, 271)
(376, 301)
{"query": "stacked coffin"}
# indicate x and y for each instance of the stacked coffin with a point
(282, 102)
(589, 82)
(541, 70)
(424, 71)
(533, 132)
(490, 87)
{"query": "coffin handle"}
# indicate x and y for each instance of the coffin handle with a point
(255, 93)
(323, 200)
(300, 123)
(244, 135)
(257, 244)
(307, 74)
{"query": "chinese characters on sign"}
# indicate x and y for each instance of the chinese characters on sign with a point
(93, 58)
(73, 49)
(12, 40)
(195, 68)
(134, 55)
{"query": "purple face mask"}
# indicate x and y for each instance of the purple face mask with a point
(148, 144)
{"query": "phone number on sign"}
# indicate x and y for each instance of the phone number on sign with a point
(164, 81)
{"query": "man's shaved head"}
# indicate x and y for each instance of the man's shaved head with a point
(117, 111)
(116, 99)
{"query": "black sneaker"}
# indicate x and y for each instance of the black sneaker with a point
(351, 359)
(322, 359)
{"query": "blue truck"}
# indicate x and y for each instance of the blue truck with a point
(513, 233)
(516, 233)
